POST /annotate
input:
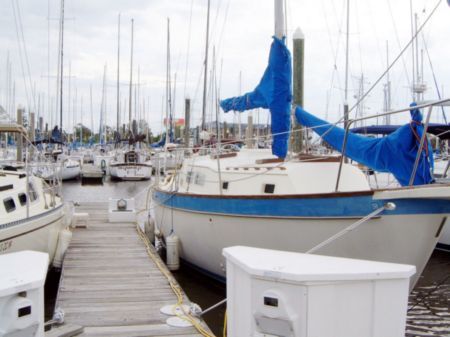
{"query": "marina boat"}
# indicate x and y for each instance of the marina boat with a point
(62, 167)
(167, 159)
(261, 202)
(321, 205)
(130, 165)
(31, 212)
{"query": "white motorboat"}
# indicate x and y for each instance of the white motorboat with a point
(130, 165)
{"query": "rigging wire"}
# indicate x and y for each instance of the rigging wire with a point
(398, 57)
(405, 68)
(188, 48)
(335, 52)
(33, 89)
(434, 76)
(20, 46)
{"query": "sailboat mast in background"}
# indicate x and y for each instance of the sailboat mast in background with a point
(131, 80)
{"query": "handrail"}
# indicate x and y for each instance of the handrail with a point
(422, 140)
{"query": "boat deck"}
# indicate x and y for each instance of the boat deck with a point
(111, 283)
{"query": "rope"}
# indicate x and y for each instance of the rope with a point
(429, 293)
(224, 332)
(174, 286)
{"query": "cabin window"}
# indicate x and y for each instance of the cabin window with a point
(32, 192)
(23, 199)
(225, 185)
(9, 205)
(269, 188)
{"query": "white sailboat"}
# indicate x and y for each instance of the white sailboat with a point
(318, 205)
(130, 164)
(31, 212)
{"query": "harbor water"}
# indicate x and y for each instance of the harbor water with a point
(429, 303)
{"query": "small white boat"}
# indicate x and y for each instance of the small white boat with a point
(130, 165)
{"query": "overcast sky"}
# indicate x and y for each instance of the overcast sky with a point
(241, 32)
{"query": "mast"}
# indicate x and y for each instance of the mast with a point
(280, 26)
(413, 51)
(92, 111)
(168, 123)
(239, 114)
(205, 78)
(131, 78)
(103, 106)
(346, 66)
(62, 69)
(118, 75)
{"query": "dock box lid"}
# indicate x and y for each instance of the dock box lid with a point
(22, 271)
(289, 266)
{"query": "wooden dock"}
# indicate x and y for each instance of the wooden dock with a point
(111, 286)
(90, 172)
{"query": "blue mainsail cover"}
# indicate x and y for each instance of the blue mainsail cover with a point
(273, 92)
(395, 153)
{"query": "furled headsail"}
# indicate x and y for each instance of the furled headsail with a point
(395, 153)
(274, 92)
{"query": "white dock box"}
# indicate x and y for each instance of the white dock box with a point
(283, 294)
(22, 278)
(121, 210)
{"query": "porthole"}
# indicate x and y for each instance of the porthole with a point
(9, 204)
(269, 188)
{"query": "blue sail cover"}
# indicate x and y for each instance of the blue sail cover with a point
(162, 142)
(273, 92)
(395, 153)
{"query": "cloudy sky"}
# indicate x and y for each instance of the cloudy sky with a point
(241, 33)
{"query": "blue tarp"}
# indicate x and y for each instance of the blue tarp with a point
(395, 153)
(274, 93)
(162, 142)
(440, 130)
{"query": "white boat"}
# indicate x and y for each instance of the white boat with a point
(252, 198)
(65, 169)
(31, 214)
(167, 160)
(130, 165)
(57, 165)
(293, 206)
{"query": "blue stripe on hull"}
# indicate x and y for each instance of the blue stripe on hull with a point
(339, 206)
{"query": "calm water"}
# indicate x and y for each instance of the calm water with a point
(429, 313)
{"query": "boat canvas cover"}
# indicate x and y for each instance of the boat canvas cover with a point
(395, 153)
(439, 130)
(273, 92)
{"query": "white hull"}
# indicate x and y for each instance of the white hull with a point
(39, 233)
(444, 241)
(64, 173)
(72, 172)
(130, 172)
(408, 239)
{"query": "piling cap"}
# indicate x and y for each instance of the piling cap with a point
(298, 34)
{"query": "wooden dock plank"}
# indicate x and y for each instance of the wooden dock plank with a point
(110, 286)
